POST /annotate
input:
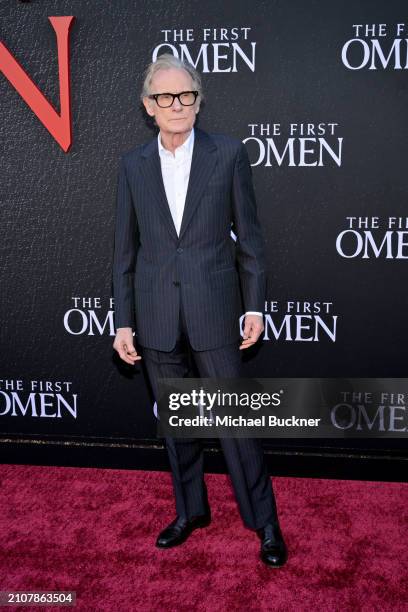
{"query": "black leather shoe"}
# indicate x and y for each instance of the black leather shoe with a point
(178, 531)
(273, 547)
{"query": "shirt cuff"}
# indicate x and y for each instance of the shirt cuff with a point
(253, 312)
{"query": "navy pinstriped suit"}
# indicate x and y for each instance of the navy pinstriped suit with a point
(183, 295)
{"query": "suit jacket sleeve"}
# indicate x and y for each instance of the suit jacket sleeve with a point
(249, 245)
(126, 244)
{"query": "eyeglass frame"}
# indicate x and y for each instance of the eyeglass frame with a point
(167, 93)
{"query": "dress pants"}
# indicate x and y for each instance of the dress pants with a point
(244, 457)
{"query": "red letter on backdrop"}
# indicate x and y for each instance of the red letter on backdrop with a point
(59, 126)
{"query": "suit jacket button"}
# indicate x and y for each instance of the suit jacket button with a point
(179, 250)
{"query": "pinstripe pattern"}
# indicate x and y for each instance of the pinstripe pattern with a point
(218, 279)
(244, 457)
(184, 294)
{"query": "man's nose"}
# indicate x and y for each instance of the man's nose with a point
(177, 105)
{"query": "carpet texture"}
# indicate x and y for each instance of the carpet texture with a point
(93, 531)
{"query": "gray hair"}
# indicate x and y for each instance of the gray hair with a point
(165, 62)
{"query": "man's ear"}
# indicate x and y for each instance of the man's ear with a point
(148, 106)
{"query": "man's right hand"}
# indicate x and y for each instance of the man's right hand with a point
(123, 344)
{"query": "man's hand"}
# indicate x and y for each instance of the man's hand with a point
(123, 344)
(252, 330)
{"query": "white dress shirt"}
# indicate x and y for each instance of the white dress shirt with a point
(176, 172)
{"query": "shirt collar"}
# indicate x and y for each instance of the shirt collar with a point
(187, 145)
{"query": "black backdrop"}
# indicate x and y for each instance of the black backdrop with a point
(306, 63)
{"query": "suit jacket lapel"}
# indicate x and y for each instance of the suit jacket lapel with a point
(151, 170)
(203, 163)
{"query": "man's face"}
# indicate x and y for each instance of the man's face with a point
(176, 118)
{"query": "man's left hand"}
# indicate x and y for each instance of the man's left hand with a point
(253, 328)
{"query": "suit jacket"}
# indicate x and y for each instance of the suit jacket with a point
(217, 278)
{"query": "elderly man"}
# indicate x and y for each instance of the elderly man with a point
(180, 283)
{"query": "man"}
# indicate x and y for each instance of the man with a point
(177, 285)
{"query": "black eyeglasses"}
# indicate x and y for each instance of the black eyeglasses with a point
(165, 100)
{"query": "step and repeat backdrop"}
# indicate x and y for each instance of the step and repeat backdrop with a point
(318, 92)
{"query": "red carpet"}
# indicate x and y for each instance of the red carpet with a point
(93, 531)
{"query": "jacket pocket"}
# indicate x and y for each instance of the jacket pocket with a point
(226, 277)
